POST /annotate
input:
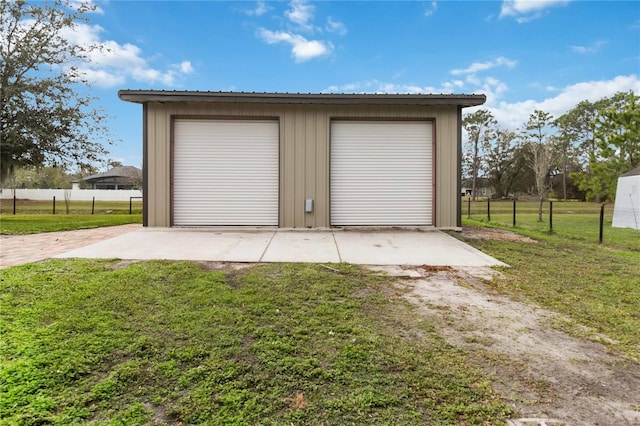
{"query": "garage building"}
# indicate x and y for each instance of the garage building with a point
(301, 160)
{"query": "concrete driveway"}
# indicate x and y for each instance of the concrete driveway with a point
(20, 249)
(384, 247)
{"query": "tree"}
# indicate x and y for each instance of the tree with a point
(44, 118)
(479, 126)
(577, 128)
(543, 152)
(39, 177)
(500, 160)
(617, 138)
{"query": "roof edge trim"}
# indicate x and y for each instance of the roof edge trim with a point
(146, 96)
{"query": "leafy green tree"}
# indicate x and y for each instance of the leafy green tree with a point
(617, 151)
(479, 126)
(501, 159)
(44, 118)
(543, 148)
(39, 178)
(577, 130)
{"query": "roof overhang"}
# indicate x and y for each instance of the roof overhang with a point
(146, 96)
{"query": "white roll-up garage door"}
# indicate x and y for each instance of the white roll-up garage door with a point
(225, 172)
(381, 173)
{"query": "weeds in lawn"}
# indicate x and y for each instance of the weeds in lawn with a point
(595, 286)
(162, 342)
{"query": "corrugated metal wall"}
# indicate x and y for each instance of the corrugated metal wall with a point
(304, 154)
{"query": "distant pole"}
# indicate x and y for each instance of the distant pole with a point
(130, 205)
(93, 204)
(488, 209)
(550, 216)
(514, 212)
(469, 208)
(601, 223)
(14, 202)
(54, 204)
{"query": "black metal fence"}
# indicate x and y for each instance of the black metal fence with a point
(573, 219)
(56, 205)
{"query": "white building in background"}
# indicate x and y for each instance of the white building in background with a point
(626, 213)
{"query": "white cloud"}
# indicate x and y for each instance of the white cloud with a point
(186, 67)
(301, 48)
(528, 10)
(508, 114)
(592, 48)
(431, 9)
(103, 78)
(376, 86)
(112, 63)
(515, 114)
(336, 27)
(483, 66)
(301, 13)
(260, 9)
(88, 5)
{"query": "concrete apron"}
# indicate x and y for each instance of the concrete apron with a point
(366, 247)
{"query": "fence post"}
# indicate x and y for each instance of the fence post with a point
(130, 204)
(54, 204)
(488, 209)
(550, 216)
(514, 212)
(601, 223)
(14, 202)
(469, 208)
(93, 204)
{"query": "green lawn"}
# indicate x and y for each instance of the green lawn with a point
(594, 286)
(572, 220)
(36, 223)
(75, 207)
(113, 343)
(33, 217)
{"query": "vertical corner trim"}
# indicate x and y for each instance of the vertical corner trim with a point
(459, 171)
(145, 166)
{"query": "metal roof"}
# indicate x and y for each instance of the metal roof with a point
(144, 96)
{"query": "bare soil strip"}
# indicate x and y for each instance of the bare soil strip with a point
(544, 373)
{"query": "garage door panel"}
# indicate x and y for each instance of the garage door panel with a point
(381, 173)
(225, 172)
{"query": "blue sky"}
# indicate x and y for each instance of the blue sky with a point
(544, 54)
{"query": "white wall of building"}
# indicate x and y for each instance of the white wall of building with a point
(626, 213)
(76, 194)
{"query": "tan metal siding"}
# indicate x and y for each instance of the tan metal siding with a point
(304, 154)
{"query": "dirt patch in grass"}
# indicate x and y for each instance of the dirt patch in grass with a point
(494, 234)
(542, 372)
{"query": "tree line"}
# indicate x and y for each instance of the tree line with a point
(579, 155)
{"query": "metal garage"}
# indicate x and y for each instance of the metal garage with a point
(301, 160)
(381, 173)
(225, 172)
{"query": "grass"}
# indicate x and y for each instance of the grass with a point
(594, 286)
(37, 216)
(36, 223)
(107, 342)
(75, 207)
(572, 220)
